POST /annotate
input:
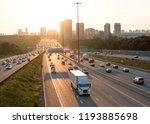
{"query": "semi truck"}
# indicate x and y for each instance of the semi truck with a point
(80, 82)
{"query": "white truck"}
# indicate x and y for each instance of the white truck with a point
(80, 82)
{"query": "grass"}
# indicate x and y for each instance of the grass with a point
(125, 61)
(22, 89)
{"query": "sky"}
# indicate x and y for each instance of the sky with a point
(34, 14)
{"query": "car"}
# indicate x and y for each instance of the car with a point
(91, 60)
(70, 63)
(75, 67)
(70, 68)
(52, 65)
(8, 67)
(138, 80)
(19, 62)
(115, 66)
(101, 65)
(63, 62)
(81, 59)
(53, 70)
(135, 56)
(4, 63)
(85, 70)
(108, 70)
(125, 70)
(108, 64)
(92, 64)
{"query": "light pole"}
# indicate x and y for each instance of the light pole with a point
(78, 30)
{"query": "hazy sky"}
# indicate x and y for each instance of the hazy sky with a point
(16, 14)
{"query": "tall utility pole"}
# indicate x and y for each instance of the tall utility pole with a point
(78, 31)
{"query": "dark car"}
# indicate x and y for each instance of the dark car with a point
(70, 68)
(108, 64)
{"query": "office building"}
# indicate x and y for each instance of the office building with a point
(117, 29)
(66, 30)
(107, 31)
(43, 31)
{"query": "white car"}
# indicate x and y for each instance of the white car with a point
(138, 80)
(125, 70)
(108, 70)
(8, 67)
(101, 65)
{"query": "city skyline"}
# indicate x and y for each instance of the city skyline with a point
(18, 14)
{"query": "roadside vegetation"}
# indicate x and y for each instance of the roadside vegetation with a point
(113, 43)
(23, 88)
(13, 45)
(125, 61)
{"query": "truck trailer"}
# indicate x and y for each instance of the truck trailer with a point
(80, 82)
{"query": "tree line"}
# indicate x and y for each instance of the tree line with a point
(114, 43)
(12, 45)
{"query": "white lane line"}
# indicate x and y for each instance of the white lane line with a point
(121, 92)
(54, 86)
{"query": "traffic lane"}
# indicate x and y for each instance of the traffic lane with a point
(125, 77)
(115, 98)
(134, 87)
(6, 73)
(121, 76)
(115, 95)
(50, 95)
(134, 72)
(65, 94)
(83, 101)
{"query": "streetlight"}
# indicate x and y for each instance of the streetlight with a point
(78, 29)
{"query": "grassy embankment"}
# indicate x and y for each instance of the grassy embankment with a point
(23, 88)
(125, 61)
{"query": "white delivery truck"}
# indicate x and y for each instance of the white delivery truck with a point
(80, 82)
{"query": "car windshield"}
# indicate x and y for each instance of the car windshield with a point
(84, 85)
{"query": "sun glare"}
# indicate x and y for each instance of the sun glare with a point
(48, 13)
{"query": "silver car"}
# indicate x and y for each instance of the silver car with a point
(138, 80)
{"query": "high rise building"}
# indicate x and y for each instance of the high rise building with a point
(65, 31)
(81, 30)
(107, 31)
(43, 31)
(117, 29)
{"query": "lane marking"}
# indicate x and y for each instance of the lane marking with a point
(121, 92)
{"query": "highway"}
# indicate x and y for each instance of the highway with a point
(105, 91)
(4, 74)
(114, 89)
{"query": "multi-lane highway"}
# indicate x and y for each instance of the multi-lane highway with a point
(107, 89)
(16, 63)
(114, 89)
